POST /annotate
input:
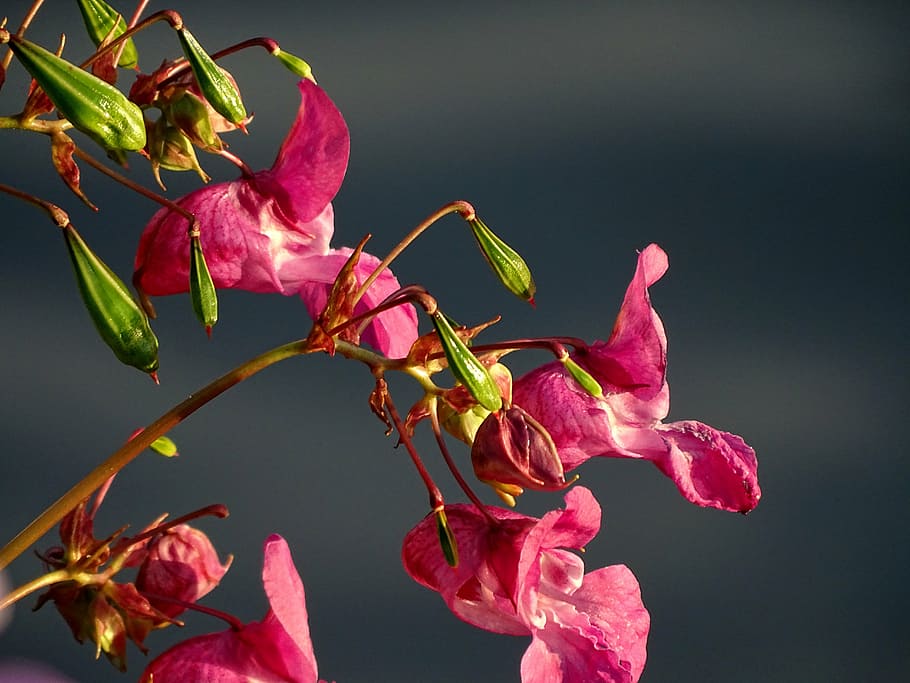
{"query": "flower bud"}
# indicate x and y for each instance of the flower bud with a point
(102, 20)
(202, 289)
(214, 83)
(96, 108)
(189, 113)
(583, 377)
(170, 149)
(164, 446)
(181, 564)
(508, 265)
(465, 366)
(513, 449)
(119, 320)
(294, 64)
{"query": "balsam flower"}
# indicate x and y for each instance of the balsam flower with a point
(709, 467)
(515, 576)
(269, 232)
(278, 648)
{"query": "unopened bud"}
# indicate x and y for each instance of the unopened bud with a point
(170, 149)
(96, 108)
(512, 448)
(294, 64)
(465, 366)
(181, 565)
(202, 289)
(508, 265)
(446, 538)
(214, 83)
(189, 113)
(119, 320)
(583, 377)
(164, 446)
(102, 20)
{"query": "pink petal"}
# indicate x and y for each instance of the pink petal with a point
(313, 158)
(709, 467)
(635, 356)
(391, 332)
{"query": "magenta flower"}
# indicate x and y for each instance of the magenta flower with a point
(515, 576)
(269, 232)
(278, 648)
(709, 467)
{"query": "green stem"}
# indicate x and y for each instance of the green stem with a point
(49, 579)
(120, 458)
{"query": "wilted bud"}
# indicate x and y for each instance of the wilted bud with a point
(96, 108)
(509, 267)
(511, 448)
(465, 366)
(446, 538)
(119, 320)
(214, 83)
(202, 289)
(189, 113)
(102, 20)
(583, 377)
(294, 64)
(171, 150)
(181, 564)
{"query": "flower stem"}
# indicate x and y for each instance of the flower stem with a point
(436, 501)
(56, 576)
(126, 453)
(460, 206)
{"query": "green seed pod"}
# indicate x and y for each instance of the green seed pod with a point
(294, 64)
(508, 265)
(465, 366)
(96, 108)
(583, 377)
(119, 320)
(102, 20)
(189, 113)
(218, 89)
(202, 289)
(446, 538)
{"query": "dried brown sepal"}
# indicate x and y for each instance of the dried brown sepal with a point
(62, 148)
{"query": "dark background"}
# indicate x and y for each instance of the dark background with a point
(764, 145)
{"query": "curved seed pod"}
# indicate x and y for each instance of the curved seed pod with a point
(202, 289)
(465, 366)
(96, 108)
(294, 64)
(102, 20)
(508, 265)
(218, 89)
(119, 320)
(446, 538)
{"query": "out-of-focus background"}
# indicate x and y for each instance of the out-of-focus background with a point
(764, 145)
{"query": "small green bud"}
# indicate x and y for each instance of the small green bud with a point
(295, 64)
(446, 538)
(96, 108)
(583, 377)
(170, 149)
(508, 265)
(202, 289)
(189, 113)
(119, 320)
(102, 20)
(214, 83)
(164, 446)
(465, 366)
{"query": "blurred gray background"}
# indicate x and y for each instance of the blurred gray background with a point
(764, 145)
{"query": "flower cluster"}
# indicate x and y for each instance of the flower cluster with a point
(270, 232)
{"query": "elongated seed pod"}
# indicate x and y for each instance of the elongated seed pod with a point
(465, 366)
(202, 289)
(96, 108)
(121, 323)
(214, 83)
(100, 18)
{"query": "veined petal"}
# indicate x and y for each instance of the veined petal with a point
(709, 467)
(634, 358)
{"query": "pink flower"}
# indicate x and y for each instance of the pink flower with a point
(269, 232)
(181, 564)
(276, 648)
(516, 577)
(709, 467)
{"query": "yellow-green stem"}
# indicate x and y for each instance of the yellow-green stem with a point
(120, 458)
